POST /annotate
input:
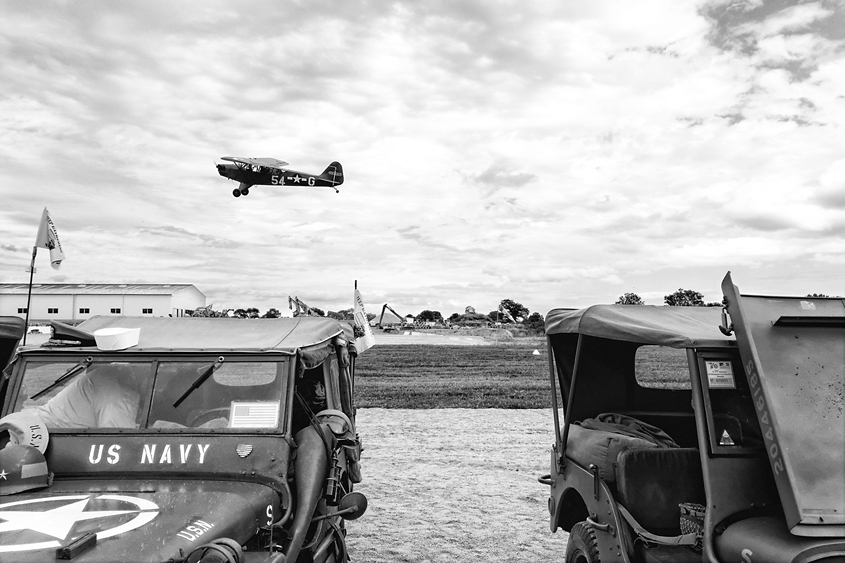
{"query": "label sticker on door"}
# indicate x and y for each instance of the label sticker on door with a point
(720, 375)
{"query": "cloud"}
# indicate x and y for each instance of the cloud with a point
(546, 152)
(498, 176)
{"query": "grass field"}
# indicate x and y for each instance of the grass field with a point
(505, 376)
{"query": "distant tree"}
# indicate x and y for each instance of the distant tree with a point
(454, 317)
(630, 299)
(472, 318)
(430, 316)
(685, 298)
(252, 313)
(470, 310)
(318, 312)
(272, 313)
(371, 316)
(344, 315)
(817, 295)
(517, 310)
(240, 313)
(535, 321)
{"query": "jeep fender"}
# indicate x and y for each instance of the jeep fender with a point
(573, 499)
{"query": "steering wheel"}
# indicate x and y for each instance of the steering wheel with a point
(200, 417)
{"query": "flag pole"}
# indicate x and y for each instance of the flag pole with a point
(29, 293)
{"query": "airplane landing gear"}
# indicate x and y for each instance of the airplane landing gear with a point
(245, 191)
(236, 192)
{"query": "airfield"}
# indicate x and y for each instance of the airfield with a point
(454, 484)
(432, 338)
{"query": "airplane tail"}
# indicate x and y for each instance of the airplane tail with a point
(333, 173)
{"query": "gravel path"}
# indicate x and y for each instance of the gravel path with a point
(455, 485)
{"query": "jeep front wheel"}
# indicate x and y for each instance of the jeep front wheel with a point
(582, 546)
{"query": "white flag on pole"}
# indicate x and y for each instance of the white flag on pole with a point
(47, 237)
(362, 324)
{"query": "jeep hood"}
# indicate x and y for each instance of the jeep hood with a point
(793, 350)
(133, 520)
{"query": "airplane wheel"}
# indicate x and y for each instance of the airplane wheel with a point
(245, 192)
(236, 192)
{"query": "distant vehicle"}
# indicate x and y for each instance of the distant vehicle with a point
(271, 172)
(391, 326)
(179, 439)
(734, 452)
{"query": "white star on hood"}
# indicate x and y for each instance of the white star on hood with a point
(56, 522)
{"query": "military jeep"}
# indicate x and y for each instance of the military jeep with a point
(733, 452)
(179, 440)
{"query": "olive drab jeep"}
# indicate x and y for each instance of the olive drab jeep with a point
(179, 440)
(731, 452)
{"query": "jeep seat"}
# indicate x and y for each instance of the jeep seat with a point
(652, 482)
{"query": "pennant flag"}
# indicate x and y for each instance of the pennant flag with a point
(363, 333)
(48, 238)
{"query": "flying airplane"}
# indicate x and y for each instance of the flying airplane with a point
(271, 172)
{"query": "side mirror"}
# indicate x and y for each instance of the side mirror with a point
(726, 327)
(352, 506)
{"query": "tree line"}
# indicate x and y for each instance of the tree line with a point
(680, 298)
(509, 312)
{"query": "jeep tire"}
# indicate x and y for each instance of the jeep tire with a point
(582, 546)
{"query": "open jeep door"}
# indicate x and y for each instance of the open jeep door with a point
(793, 352)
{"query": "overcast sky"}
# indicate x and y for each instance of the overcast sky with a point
(553, 153)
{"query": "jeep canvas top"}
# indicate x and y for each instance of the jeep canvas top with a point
(673, 448)
(176, 439)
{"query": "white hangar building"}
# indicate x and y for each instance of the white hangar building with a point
(70, 302)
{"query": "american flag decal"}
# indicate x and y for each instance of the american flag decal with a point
(244, 449)
(257, 414)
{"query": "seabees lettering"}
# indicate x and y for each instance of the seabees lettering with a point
(157, 454)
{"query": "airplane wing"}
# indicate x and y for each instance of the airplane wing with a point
(268, 162)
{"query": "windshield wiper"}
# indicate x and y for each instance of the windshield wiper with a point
(65, 376)
(199, 381)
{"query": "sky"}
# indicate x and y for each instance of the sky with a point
(559, 154)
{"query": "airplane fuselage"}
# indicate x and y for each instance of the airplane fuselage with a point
(249, 176)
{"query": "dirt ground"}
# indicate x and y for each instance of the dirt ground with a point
(455, 485)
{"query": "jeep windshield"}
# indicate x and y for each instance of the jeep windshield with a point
(239, 393)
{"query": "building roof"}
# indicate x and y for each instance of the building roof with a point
(94, 288)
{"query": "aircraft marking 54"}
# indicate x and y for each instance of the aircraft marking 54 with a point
(272, 172)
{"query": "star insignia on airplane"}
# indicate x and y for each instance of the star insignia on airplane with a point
(3, 474)
(297, 178)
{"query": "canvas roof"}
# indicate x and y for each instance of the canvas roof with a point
(201, 334)
(676, 327)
